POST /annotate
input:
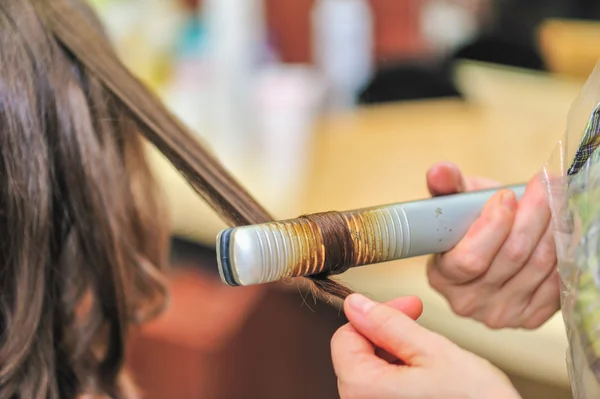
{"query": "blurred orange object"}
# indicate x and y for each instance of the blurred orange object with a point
(397, 28)
(202, 313)
(168, 356)
(570, 47)
(217, 342)
(191, 4)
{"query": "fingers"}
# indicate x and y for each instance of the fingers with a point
(500, 272)
(530, 224)
(444, 178)
(433, 366)
(544, 303)
(360, 373)
(348, 346)
(353, 354)
(389, 329)
(410, 306)
(539, 266)
(472, 256)
(511, 306)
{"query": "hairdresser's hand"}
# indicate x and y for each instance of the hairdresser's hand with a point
(503, 272)
(430, 367)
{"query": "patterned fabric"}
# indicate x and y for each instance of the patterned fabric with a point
(589, 142)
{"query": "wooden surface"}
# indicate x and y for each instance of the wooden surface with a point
(506, 130)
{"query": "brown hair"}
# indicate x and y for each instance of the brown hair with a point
(83, 235)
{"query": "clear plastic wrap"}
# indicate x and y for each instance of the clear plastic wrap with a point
(572, 176)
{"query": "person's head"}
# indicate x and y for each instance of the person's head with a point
(82, 233)
(83, 237)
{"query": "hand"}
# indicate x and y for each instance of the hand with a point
(503, 272)
(430, 366)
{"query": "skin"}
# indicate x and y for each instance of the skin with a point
(503, 273)
(383, 353)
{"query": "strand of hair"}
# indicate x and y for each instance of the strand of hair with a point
(201, 170)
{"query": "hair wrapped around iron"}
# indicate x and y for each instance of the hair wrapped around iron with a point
(82, 229)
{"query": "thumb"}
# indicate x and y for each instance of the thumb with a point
(445, 178)
(410, 306)
(390, 329)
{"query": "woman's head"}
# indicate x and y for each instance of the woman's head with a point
(82, 233)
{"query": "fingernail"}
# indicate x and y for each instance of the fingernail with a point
(360, 303)
(509, 200)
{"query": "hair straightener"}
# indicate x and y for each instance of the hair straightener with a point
(333, 242)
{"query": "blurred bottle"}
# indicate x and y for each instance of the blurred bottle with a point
(143, 32)
(287, 102)
(236, 37)
(449, 24)
(342, 32)
(187, 93)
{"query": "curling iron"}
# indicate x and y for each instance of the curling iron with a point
(336, 241)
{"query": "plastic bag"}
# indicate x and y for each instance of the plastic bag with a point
(572, 176)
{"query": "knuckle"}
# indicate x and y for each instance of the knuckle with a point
(533, 323)
(336, 337)
(436, 280)
(539, 318)
(346, 391)
(544, 258)
(517, 251)
(471, 266)
(338, 334)
(496, 320)
(496, 218)
(493, 324)
(457, 266)
(536, 320)
(353, 389)
(336, 342)
(464, 305)
(541, 266)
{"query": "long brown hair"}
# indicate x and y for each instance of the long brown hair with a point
(83, 234)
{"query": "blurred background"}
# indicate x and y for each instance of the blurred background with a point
(339, 104)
